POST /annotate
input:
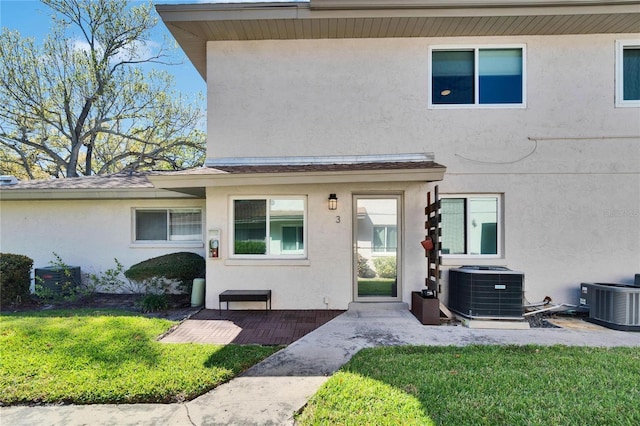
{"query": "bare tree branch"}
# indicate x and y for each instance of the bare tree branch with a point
(82, 96)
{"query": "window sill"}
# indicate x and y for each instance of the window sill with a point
(168, 244)
(476, 106)
(267, 262)
(628, 104)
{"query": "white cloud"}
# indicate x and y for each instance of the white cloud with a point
(136, 51)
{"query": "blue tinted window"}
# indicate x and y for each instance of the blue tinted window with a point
(500, 73)
(499, 79)
(631, 74)
(452, 77)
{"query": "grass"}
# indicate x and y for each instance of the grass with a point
(482, 385)
(375, 286)
(102, 356)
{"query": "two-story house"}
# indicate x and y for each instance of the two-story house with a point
(330, 121)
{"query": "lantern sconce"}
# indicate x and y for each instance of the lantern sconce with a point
(333, 202)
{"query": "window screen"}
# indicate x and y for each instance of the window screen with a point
(151, 225)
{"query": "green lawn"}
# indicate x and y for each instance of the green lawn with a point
(99, 356)
(375, 286)
(482, 385)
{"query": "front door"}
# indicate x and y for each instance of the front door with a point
(377, 242)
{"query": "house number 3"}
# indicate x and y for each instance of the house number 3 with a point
(337, 219)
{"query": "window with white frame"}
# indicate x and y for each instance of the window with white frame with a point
(178, 224)
(628, 73)
(385, 238)
(269, 227)
(477, 76)
(471, 225)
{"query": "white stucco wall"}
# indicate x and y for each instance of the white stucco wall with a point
(328, 269)
(85, 233)
(314, 97)
(567, 165)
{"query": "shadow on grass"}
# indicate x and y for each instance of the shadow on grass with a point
(482, 385)
(237, 358)
(99, 356)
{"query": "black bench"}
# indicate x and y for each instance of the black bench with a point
(245, 296)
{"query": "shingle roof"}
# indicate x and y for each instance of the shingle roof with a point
(115, 181)
(301, 168)
(140, 184)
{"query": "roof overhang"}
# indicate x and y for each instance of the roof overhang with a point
(224, 172)
(192, 25)
(97, 194)
(119, 186)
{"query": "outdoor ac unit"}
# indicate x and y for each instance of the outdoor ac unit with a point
(486, 292)
(615, 306)
(58, 279)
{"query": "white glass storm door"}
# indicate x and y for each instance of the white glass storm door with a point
(377, 242)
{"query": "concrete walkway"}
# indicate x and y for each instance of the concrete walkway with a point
(272, 391)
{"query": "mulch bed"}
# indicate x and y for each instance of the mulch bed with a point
(130, 302)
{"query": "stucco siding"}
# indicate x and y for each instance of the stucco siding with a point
(313, 97)
(561, 229)
(85, 233)
(328, 269)
(565, 165)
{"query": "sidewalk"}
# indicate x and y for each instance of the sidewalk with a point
(270, 392)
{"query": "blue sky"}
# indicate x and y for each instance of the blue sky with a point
(31, 18)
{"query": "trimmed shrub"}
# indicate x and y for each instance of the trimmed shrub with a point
(15, 278)
(364, 271)
(183, 267)
(385, 266)
(250, 247)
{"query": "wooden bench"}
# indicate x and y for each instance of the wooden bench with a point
(245, 296)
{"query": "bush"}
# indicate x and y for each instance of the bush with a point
(154, 302)
(250, 247)
(385, 266)
(364, 271)
(15, 278)
(110, 281)
(183, 267)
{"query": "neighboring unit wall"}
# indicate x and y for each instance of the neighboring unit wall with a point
(85, 233)
(566, 165)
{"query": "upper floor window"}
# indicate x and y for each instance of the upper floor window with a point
(628, 73)
(471, 225)
(477, 76)
(168, 225)
(269, 227)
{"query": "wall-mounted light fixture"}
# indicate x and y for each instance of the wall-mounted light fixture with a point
(333, 202)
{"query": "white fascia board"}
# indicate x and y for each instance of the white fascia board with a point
(301, 178)
(453, 4)
(318, 160)
(89, 194)
(229, 11)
